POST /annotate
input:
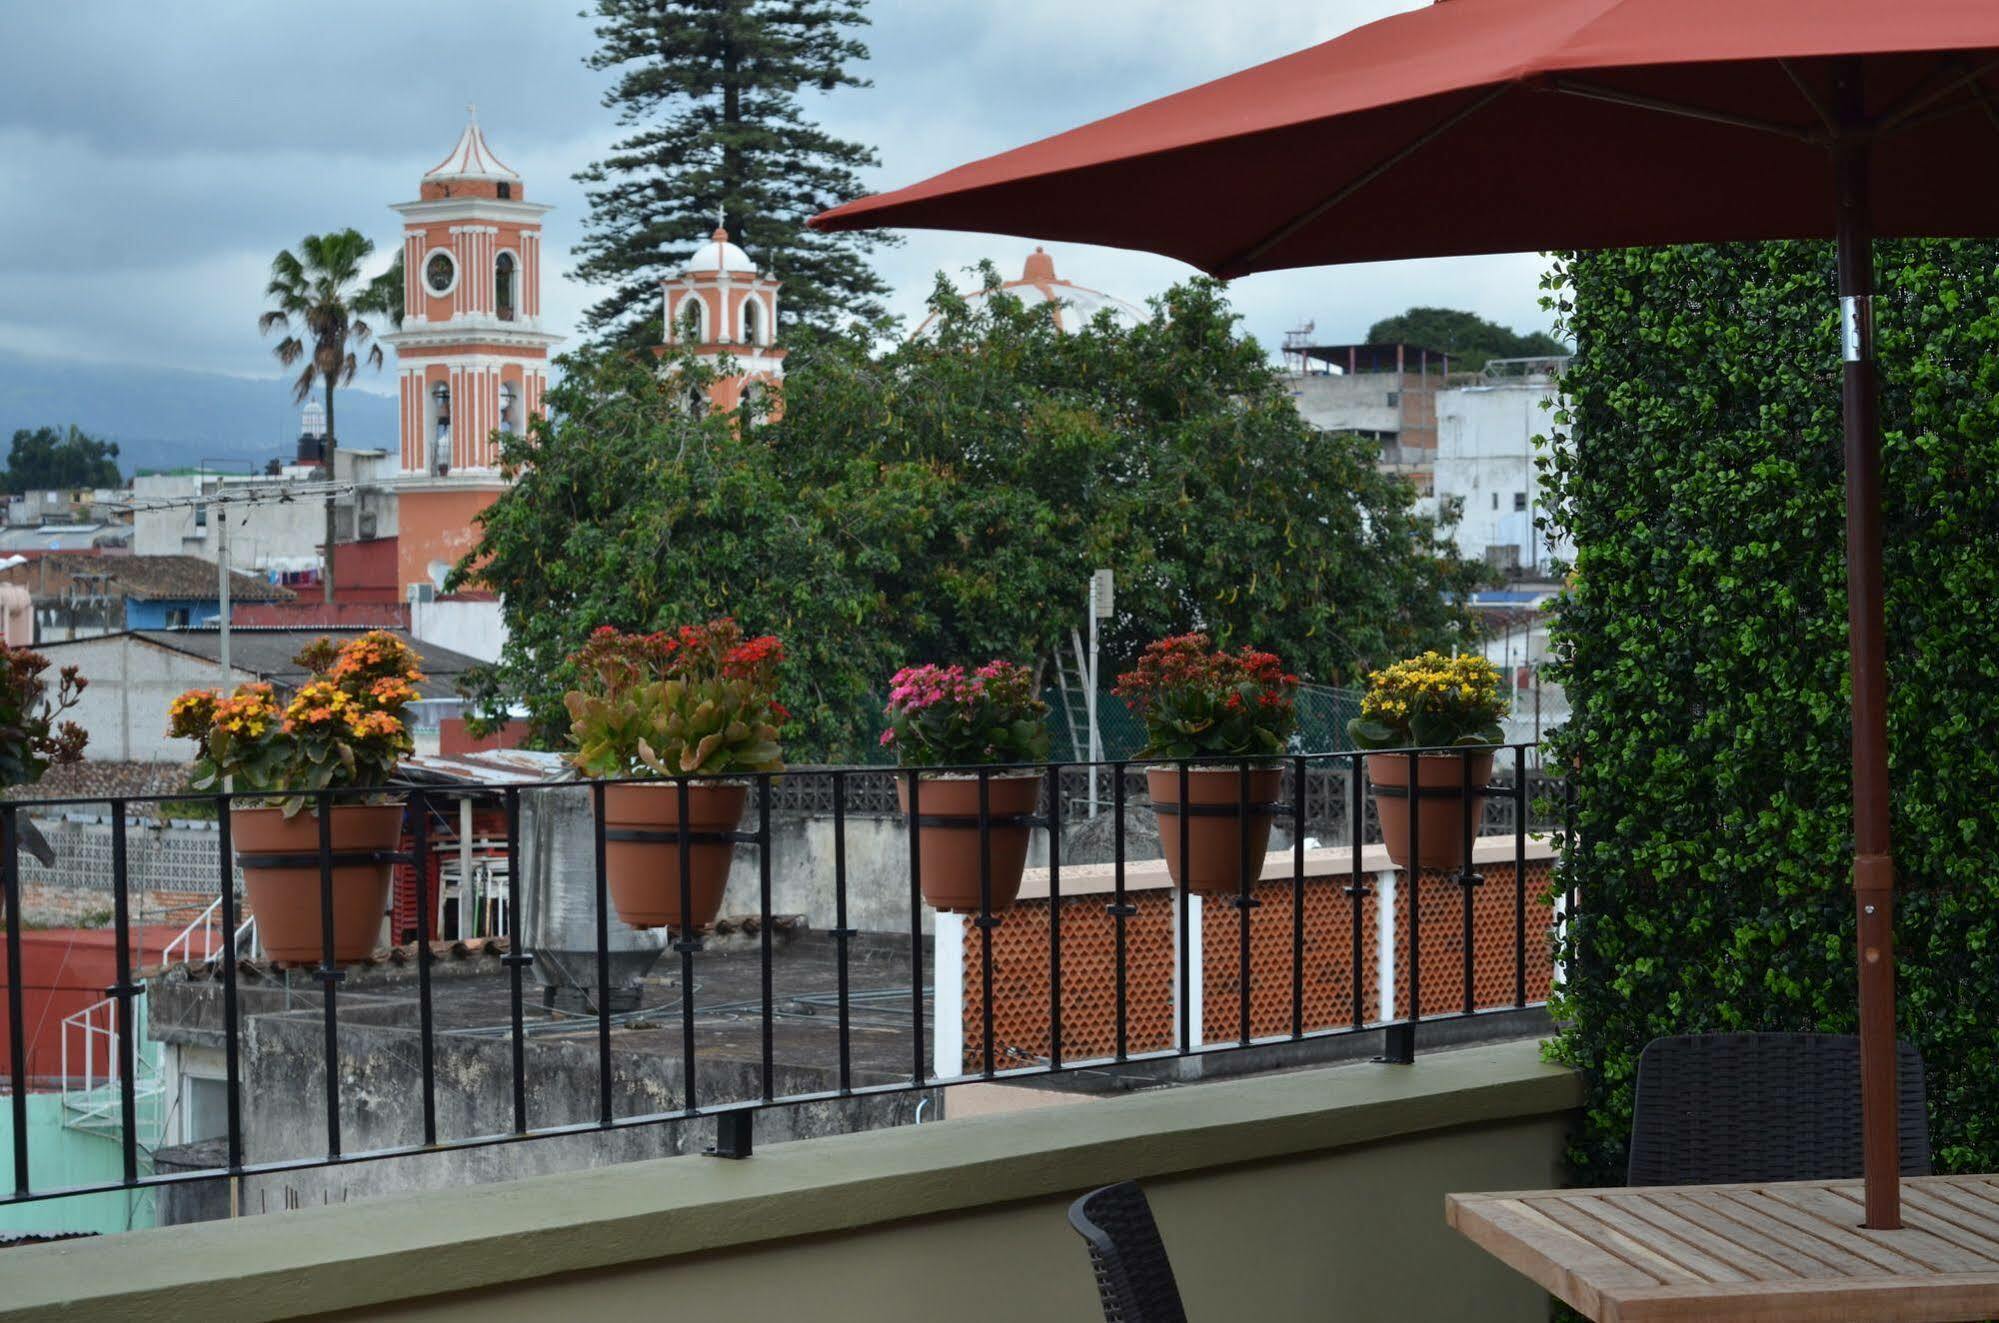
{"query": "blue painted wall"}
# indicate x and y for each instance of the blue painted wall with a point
(160, 614)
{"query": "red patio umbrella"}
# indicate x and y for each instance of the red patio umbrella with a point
(1480, 126)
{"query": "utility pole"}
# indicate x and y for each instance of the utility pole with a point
(222, 587)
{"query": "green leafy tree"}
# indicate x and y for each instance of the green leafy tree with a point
(1698, 468)
(1169, 452)
(1468, 338)
(946, 500)
(322, 304)
(709, 90)
(53, 458)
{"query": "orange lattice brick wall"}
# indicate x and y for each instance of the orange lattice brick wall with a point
(1328, 963)
(1442, 926)
(1021, 1021)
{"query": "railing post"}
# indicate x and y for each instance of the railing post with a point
(1520, 805)
(1468, 878)
(1054, 780)
(330, 973)
(687, 941)
(1357, 888)
(918, 1065)
(419, 810)
(516, 959)
(986, 921)
(768, 1009)
(1298, 773)
(735, 1134)
(122, 992)
(603, 935)
(842, 934)
(1120, 908)
(231, 1025)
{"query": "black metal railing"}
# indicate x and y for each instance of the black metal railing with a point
(1306, 778)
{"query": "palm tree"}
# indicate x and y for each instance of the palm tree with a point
(321, 303)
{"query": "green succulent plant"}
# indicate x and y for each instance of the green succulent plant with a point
(702, 703)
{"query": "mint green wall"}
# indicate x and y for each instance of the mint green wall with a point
(59, 1156)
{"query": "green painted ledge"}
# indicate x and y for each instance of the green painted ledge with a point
(351, 1256)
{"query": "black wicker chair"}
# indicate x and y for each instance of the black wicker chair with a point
(1726, 1109)
(1134, 1279)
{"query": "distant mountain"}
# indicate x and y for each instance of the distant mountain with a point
(166, 418)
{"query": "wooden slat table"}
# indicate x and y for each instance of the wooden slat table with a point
(1777, 1253)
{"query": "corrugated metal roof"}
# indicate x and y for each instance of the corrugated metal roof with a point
(268, 653)
(491, 767)
(144, 578)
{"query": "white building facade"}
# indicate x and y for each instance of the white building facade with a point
(1486, 450)
(267, 533)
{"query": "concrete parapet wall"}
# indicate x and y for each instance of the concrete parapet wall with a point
(1307, 1195)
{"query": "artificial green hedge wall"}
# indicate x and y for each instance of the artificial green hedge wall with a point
(1698, 468)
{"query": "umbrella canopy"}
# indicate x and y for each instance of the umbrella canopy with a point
(1477, 126)
(1467, 127)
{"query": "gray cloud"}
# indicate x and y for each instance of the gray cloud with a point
(155, 157)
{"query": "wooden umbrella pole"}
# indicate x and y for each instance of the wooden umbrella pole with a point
(1873, 864)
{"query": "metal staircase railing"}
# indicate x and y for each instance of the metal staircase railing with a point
(201, 940)
(92, 1100)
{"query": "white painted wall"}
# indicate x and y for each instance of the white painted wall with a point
(1336, 402)
(268, 534)
(1485, 458)
(475, 629)
(132, 682)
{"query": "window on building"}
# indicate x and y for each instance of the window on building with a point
(509, 408)
(1495, 500)
(692, 319)
(752, 321)
(1519, 501)
(503, 285)
(440, 273)
(440, 429)
(206, 1107)
(506, 189)
(176, 617)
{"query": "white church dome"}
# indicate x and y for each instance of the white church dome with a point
(1074, 305)
(716, 253)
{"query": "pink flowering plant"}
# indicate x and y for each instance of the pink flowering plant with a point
(941, 716)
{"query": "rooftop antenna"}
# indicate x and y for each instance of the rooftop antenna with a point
(1296, 341)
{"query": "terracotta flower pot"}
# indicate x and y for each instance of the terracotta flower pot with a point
(1440, 825)
(1214, 840)
(643, 874)
(947, 841)
(285, 898)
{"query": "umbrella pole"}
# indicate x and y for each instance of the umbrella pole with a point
(1873, 865)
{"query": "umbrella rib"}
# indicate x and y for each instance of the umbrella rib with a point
(1812, 98)
(1235, 265)
(1931, 90)
(1984, 101)
(1596, 93)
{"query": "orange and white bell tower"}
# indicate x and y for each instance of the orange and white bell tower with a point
(725, 310)
(471, 352)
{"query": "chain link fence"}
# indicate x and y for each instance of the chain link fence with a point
(1323, 714)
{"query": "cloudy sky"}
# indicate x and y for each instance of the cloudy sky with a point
(153, 158)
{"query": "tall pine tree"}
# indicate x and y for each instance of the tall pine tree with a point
(710, 90)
